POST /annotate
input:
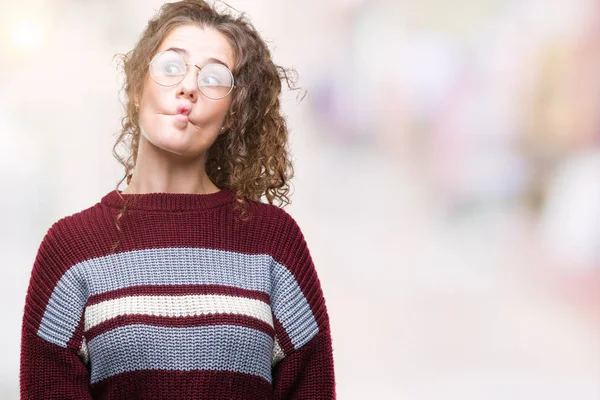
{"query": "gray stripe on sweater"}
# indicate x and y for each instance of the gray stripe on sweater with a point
(212, 347)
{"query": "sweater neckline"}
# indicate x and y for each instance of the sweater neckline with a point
(163, 201)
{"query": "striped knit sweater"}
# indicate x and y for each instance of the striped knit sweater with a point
(194, 303)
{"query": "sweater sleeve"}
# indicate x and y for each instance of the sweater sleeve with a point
(303, 366)
(53, 353)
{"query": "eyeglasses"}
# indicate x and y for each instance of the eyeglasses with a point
(168, 68)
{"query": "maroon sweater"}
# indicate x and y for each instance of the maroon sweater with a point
(194, 303)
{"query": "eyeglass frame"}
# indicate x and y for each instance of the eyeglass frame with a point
(183, 75)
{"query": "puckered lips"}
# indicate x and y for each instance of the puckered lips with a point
(183, 113)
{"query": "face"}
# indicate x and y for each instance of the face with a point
(160, 118)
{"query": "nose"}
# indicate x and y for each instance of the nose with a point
(188, 87)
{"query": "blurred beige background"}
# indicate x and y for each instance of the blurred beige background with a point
(448, 165)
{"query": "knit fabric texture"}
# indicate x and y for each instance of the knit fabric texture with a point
(194, 303)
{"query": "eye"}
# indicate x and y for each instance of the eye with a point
(209, 80)
(172, 69)
(215, 75)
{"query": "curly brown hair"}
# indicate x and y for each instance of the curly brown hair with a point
(252, 158)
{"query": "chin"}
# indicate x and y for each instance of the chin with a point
(166, 141)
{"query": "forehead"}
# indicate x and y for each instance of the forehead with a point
(201, 44)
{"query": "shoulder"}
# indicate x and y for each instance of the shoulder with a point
(278, 219)
(88, 218)
(74, 234)
(286, 241)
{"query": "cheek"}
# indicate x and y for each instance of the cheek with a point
(150, 116)
(154, 98)
(213, 111)
(225, 106)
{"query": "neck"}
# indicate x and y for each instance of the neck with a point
(160, 171)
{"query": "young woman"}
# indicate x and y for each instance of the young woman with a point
(185, 285)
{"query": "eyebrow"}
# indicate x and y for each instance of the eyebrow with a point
(185, 53)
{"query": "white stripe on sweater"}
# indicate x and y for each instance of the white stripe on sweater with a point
(177, 306)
